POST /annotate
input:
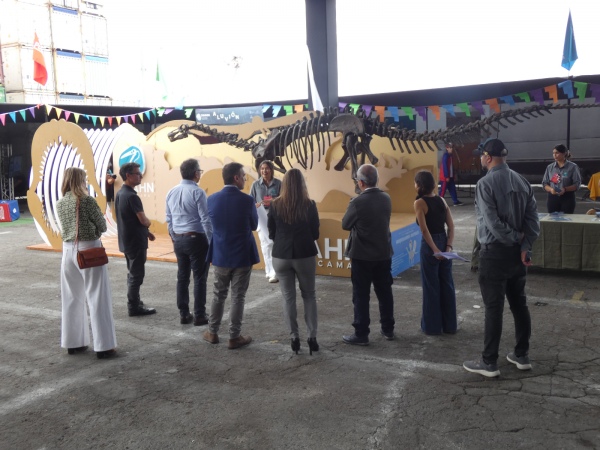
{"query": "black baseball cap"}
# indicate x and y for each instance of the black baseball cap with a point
(492, 147)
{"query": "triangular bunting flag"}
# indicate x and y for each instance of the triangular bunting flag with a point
(161, 111)
(493, 104)
(58, 112)
(48, 109)
(67, 115)
(538, 96)
(188, 112)
(110, 119)
(552, 93)
(32, 111)
(265, 108)
(524, 96)
(567, 88)
(595, 88)
(153, 111)
(94, 118)
(3, 119)
(288, 109)
(168, 110)
(342, 105)
(478, 105)
(76, 117)
(354, 107)
(23, 113)
(436, 111)
(276, 109)
(422, 112)
(147, 114)
(508, 99)
(394, 112)
(298, 108)
(450, 109)
(464, 107)
(13, 116)
(409, 112)
(367, 109)
(581, 89)
(380, 112)
(141, 116)
(119, 118)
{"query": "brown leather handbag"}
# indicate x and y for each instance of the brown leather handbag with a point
(90, 257)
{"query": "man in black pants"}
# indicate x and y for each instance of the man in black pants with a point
(133, 228)
(370, 249)
(190, 229)
(507, 226)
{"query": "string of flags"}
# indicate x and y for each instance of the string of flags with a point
(570, 89)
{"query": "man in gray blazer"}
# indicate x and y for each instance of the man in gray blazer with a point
(370, 249)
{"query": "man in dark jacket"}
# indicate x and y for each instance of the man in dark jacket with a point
(370, 249)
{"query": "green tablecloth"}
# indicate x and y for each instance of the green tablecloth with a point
(570, 241)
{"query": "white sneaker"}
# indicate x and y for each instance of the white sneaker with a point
(273, 280)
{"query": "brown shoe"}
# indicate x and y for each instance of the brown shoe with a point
(239, 341)
(210, 337)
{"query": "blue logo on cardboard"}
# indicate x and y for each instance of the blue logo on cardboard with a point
(133, 154)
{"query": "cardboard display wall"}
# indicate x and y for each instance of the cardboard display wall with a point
(160, 158)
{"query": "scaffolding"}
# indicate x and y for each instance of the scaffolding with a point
(7, 184)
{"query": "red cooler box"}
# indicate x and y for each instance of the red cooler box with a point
(9, 210)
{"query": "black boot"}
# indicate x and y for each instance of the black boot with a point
(313, 345)
(295, 345)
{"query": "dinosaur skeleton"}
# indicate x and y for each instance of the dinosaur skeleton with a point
(297, 140)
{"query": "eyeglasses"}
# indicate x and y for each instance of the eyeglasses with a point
(201, 171)
(358, 179)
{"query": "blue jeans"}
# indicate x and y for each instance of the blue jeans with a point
(439, 299)
(501, 273)
(449, 183)
(364, 273)
(191, 257)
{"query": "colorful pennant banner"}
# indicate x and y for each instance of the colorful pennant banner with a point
(569, 89)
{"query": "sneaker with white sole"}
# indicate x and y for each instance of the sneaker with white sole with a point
(522, 362)
(273, 280)
(480, 367)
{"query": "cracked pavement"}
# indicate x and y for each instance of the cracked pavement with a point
(169, 389)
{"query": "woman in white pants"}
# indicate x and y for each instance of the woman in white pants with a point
(77, 284)
(294, 228)
(265, 190)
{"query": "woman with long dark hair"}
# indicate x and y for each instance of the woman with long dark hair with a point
(294, 226)
(82, 224)
(433, 216)
(561, 181)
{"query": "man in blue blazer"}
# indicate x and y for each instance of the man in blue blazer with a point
(232, 252)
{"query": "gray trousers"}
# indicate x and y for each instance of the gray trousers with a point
(239, 279)
(304, 269)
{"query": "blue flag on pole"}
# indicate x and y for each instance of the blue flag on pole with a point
(570, 50)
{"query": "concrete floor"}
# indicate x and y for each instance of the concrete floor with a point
(169, 389)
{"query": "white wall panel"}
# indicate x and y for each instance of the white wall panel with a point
(96, 76)
(21, 20)
(17, 61)
(66, 29)
(32, 98)
(94, 35)
(69, 73)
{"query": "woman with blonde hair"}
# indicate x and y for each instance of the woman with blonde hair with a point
(294, 226)
(82, 225)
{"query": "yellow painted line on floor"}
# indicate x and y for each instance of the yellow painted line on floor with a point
(577, 295)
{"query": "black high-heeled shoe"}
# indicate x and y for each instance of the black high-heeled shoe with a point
(106, 354)
(313, 346)
(295, 345)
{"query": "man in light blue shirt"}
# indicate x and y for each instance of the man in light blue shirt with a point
(190, 229)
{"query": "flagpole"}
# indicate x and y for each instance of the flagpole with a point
(569, 119)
